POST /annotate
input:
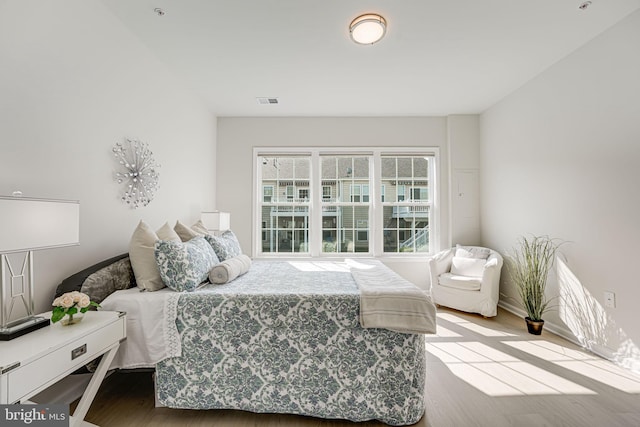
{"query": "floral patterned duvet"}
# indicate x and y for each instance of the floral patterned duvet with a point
(285, 338)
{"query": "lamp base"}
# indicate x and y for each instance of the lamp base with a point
(22, 327)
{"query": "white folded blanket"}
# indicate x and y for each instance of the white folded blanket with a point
(388, 301)
(229, 269)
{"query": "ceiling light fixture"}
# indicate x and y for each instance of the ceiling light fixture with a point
(368, 28)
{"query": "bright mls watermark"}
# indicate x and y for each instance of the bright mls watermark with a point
(34, 415)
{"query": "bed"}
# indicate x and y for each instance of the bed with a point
(286, 337)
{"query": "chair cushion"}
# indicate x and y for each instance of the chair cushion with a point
(456, 281)
(472, 267)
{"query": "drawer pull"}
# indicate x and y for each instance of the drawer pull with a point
(77, 352)
(9, 368)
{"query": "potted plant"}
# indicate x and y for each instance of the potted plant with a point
(531, 262)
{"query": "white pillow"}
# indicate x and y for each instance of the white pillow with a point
(229, 269)
(470, 267)
(185, 232)
(142, 254)
(472, 252)
(199, 228)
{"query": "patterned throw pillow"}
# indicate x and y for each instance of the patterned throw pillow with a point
(183, 266)
(225, 246)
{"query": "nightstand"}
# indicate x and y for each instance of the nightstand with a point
(35, 361)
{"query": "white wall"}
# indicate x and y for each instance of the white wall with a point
(238, 136)
(464, 163)
(73, 82)
(560, 157)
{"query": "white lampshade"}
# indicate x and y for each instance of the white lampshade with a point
(30, 224)
(368, 28)
(217, 221)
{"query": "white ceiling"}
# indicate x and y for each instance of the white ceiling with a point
(439, 57)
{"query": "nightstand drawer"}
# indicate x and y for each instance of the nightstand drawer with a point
(51, 367)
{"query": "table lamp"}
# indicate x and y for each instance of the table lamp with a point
(216, 221)
(28, 225)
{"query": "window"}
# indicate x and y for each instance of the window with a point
(284, 218)
(326, 192)
(406, 221)
(419, 193)
(318, 202)
(267, 193)
(359, 193)
(400, 192)
(289, 192)
(341, 215)
(355, 192)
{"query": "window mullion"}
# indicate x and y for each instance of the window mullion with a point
(376, 220)
(315, 207)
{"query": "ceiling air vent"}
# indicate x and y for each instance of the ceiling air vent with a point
(267, 101)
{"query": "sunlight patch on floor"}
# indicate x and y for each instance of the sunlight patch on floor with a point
(585, 364)
(482, 330)
(443, 332)
(496, 373)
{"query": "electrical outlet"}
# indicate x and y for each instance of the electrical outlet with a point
(609, 299)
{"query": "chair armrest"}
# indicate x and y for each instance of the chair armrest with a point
(491, 274)
(440, 263)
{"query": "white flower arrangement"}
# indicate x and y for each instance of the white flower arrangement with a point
(71, 303)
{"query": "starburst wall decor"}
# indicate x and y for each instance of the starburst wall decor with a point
(138, 172)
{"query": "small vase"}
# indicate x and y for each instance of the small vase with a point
(72, 319)
(534, 326)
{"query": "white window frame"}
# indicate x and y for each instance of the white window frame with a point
(375, 205)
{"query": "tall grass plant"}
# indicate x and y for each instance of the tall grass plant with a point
(532, 260)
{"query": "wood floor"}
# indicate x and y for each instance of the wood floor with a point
(480, 372)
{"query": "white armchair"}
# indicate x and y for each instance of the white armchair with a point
(467, 278)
